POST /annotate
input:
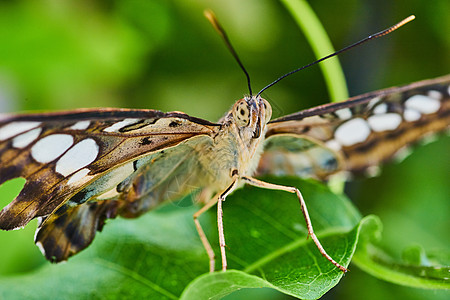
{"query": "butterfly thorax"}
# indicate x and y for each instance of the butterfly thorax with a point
(238, 146)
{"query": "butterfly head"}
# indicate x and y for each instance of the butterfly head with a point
(251, 115)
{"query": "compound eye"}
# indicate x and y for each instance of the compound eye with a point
(268, 110)
(241, 113)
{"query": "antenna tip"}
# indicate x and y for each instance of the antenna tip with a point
(410, 18)
(209, 14)
(401, 23)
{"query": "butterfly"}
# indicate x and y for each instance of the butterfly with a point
(83, 167)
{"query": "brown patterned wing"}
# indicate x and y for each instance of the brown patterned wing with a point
(72, 159)
(160, 176)
(356, 134)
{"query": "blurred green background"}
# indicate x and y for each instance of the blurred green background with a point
(164, 55)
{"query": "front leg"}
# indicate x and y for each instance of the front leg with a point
(271, 186)
(202, 234)
(219, 198)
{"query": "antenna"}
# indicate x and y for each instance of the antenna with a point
(370, 37)
(215, 23)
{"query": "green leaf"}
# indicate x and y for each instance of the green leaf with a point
(219, 284)
(158, 255)
(415, 269)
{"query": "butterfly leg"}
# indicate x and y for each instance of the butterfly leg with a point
(222, 198)
(219, 198)
(202, 234)
(271, 186)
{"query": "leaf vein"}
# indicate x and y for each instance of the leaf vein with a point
(133, 275)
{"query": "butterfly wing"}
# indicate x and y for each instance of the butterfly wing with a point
(357, 134)
(71, 160)
(160, 176)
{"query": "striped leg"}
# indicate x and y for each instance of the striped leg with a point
(219, 198)
(271, 186)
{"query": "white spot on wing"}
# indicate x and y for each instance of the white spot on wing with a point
(79, 177)
(435, 94)
(109, 194)
(39, 244)
(423, 104)
(373, 102)
(402, 154)
(411, 115)
(352, 132)
(380, 109)
(18, 228)
(373, 171)
(113, 178)
(79, 156)
(51, 147)
(80, 125)
(117, 126)
(344, 113)
(428, 138)
(15, 128)
(384, 122)
(23, 140)
(333, 145)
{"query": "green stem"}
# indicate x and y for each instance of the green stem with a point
(321, 45)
